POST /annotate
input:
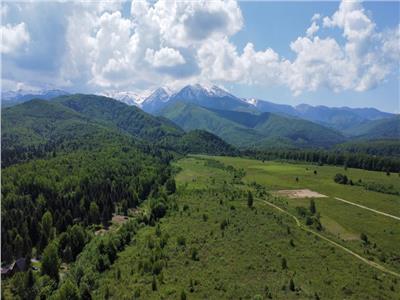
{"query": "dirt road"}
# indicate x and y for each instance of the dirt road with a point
(305, 228)
(370, 209)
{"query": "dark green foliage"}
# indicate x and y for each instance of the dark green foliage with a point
(201, 141)
(370, 186)
(291, 285)
(68, 290)
(380, 148)
(361, 160)
(249, 199)
(127, 118)
(94, 213)
(313, 209)
(50, 261)
(364, 238)
(23, 284)
(284, 263)
(194, 253)
(181, 241)
(154, 283)
(170, 186)
(340, 178)
(92, 165)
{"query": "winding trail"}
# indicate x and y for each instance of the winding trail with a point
(299, 224)
(371, 209)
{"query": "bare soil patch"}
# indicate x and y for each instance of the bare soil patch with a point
(303, 193)
(119, 219)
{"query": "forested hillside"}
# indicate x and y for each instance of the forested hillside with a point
(247, 130)
(70, 164)
(388, 128)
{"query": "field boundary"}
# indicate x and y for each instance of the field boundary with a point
(363, 259)
(368, 208)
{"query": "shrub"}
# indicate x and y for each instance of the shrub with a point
(340, 178)
(194, 254)
(284, 263)
(181, 241)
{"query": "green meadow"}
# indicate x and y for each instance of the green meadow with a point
(213, 245)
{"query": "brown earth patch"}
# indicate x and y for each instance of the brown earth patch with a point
(303, 193)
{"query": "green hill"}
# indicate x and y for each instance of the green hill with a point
(200, 141)
(115, 113)
(38, 127)
(245, 129)
(378, 129)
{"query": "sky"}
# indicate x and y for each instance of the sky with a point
(321, 53)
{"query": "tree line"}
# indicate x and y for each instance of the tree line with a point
(329, 157)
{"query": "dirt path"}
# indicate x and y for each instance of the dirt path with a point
(371, 209)
(299, 224)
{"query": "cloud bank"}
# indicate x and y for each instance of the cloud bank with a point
(150, 44)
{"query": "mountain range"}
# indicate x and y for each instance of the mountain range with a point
(10, 98)
(248, 122)
(77, 121)
(247, 129)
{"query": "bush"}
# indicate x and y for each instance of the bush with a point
(181, 241)
(194, 254)
(340, 178)
(284, 263)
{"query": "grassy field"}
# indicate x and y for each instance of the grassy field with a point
(213, 246)
(344, 221)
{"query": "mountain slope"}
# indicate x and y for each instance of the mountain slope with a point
(156, 100)
(339, 118)
(247, 130)
(127, 118)
(214, 97)
(378, 129)
(266, 106)
(190, 116)
(207, 96)
(38, 127)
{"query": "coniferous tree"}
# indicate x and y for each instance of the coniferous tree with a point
(250, 199)
(50, 261)
(313, 209)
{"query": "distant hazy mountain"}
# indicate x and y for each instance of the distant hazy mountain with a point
(10, 98)
(339, 117)
(388, 128)
(246, 129)
(266, 106)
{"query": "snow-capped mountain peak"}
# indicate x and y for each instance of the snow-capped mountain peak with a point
(128, 97)
(202, 90)
(162, 94)
(251, 101)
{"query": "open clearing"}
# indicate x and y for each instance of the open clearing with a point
(213, 246)
(303, 193)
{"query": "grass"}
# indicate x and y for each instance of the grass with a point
(231, 251)
(348, 219)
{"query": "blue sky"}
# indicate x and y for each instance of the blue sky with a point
(275, 24)
(347, 55)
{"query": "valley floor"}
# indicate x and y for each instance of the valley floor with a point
(212, 245)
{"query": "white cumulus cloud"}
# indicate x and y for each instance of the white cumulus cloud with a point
(165, 57)
(164, 42)
(13, 38)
